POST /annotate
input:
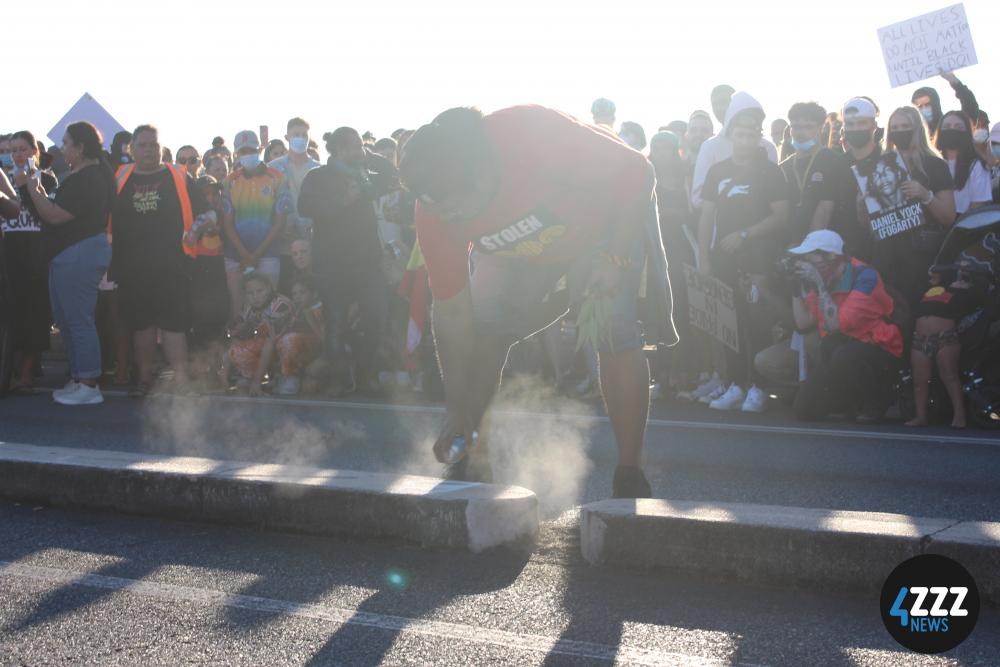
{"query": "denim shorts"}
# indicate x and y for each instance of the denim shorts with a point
(511, 298)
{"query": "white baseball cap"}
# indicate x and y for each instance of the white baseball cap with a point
(822, 239)
(859, 107)
(995, 134)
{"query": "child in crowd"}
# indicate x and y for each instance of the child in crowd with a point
(266, 316)
(935, 339)
(300, 349)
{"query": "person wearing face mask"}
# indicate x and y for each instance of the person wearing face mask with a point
(25, 266)
(847, 302)
(972, 176)
(816, 176)
(928, 102)
(255, 205)
(294, 166)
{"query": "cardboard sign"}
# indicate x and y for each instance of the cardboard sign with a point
(712, 307)
(890, 212)
(923, 47)
(87, 108)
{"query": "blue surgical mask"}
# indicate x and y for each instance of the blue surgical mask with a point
(996, 151)
(6, 160)
(927, 113)
(249, 162)
(298, 145)
(804, 145)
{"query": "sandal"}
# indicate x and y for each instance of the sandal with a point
(141, 390)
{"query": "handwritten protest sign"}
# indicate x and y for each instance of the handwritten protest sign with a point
(890, 212)
(922, 47)
(712, 308)
(88, 109)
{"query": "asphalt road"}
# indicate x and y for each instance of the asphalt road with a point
(83, 587)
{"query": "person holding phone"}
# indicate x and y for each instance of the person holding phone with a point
(27, 268)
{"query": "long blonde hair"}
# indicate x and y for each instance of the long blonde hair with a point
(915, 161)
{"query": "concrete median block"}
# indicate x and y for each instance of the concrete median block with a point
(788, 545)
(425, 510)
(976, 545)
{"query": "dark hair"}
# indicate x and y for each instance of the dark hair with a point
(722, 89)
(296, 122)
(306, 281)
(395, 134)
(26, 136)
(188, 146)
(215, 156)
(385, 142)
(809, 111)
(967, 155)
(339, 137)
(634, 128)
(927, 91)
(208, 181)
(271, 145)
(678, 127)
(447, 156)
(88, 138)
(145, 128)
(218, 140)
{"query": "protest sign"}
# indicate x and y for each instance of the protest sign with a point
(712, 307)
(923, 47)
(890, 212)
(87, 108)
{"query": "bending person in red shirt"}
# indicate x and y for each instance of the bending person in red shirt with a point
(525, 196)
(847, 302)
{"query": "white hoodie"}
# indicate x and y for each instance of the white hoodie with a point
(720, 148)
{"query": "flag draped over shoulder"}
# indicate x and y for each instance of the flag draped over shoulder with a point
(414, 287)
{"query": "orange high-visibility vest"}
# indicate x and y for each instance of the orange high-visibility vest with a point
(179, 175)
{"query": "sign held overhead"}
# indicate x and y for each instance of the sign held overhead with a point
(88, 109)
(924, 46)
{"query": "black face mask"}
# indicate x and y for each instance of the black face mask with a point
(953, 139)
(858, 138)
(901, 139)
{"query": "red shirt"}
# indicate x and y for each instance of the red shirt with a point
(562, 186)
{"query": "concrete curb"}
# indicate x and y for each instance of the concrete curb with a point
(425, 510)
(787, 545)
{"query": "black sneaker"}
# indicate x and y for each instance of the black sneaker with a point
(630, 482)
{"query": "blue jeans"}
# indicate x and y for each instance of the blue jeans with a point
(74, 275)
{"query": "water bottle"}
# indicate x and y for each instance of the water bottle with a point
(460, 448)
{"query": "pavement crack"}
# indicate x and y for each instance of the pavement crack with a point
(926, 539)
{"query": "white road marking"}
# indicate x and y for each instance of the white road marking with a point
(466, 633)
(603, 419)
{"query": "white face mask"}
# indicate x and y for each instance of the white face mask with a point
(249, 162)
(981, 136)
(298, 145)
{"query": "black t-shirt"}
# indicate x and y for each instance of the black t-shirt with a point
(87, 195)
(28, 220)
(903, 259)
(147, 225)
(345, 238)
(814, 179)
(743, 195)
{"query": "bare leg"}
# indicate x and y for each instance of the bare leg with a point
(234, 281)
(947, 364)
(625, 385)
(145, 349)
(175, 349)
(921, 386)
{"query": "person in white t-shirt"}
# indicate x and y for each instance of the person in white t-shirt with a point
(973, 187)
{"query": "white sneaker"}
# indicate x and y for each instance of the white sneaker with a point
(714, 394)
(288, 385)
(81, 395)
(756, 400)
(707, 387)
(68, 389)
(730, 400)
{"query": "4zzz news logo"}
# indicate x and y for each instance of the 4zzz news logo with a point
(930, 604)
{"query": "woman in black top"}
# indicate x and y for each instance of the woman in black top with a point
(75, 243)
(27, 267)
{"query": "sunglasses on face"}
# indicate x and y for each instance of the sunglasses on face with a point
(191, 160)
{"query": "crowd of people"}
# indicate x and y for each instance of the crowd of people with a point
(265, 269)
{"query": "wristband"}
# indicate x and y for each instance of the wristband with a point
(930, 198)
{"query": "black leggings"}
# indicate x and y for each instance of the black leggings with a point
(850, 375)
